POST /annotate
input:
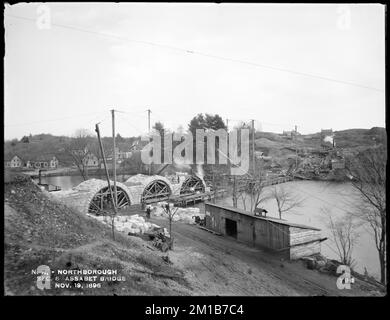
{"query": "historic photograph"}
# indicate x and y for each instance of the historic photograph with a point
(194, 149)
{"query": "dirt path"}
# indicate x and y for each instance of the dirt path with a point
(218, 265)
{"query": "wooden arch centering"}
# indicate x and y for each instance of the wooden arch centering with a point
(192, 184)
(102, 200)
(156, 190)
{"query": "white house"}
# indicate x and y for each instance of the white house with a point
(13, 162)
(43, 162)
(90, 160)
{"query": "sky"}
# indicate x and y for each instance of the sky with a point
(312, 65)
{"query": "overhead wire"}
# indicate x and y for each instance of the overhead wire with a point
(51, 120)
(194, 52)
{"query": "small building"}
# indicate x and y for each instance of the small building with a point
(338, 163)
(293, 134)
(13, 162)
(43, 162)
(291, 240)
(90, 160)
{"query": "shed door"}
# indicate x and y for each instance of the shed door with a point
(231, 228)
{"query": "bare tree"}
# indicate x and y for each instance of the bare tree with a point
(251, 189)
(285, 200)
(344, 233)
(257, 194)
(368, 171)
(78, 149)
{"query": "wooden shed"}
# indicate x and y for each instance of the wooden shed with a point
(290, 239)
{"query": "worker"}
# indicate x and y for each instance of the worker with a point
(148, 210)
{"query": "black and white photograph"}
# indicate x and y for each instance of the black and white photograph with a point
(195, 149)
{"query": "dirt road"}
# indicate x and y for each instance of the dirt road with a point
(218, 265)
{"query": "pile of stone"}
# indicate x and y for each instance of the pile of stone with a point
(136, 179)
(321, 263)
(186, 215)
(131, 225)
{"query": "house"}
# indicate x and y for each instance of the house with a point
(259, 154)
(43, 162)
(13, 162)
(90, 160)
(338, 163)
(291, 240)
(124, 155)
(291, 134)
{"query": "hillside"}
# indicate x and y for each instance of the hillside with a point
(283, 150)
(36, 145)
(39, 231)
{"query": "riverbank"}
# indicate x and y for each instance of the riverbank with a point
(63, 172)
(40, 231)
(320, 197)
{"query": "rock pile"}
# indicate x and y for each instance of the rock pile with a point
(131, 225)
(186, 215)
(321, 264)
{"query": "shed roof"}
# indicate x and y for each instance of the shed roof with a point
(273, 220)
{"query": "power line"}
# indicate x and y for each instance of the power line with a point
(52, 120)
(187, 51)
(130, 124)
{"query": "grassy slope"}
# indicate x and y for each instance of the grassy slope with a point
(281, 148)
(40, 231)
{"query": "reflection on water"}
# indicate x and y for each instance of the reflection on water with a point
(68, 182)
(334, 198)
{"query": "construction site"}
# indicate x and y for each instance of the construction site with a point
(202, 149)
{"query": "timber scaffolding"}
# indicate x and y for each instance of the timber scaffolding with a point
(242, 183)
(185, 200)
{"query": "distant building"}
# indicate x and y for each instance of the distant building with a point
(124, 155)
(42, 162)
(259, 154)
(138, 145)
(13, 162)
(327, 138)
(291, 134)
(338, 163)
(90, 160)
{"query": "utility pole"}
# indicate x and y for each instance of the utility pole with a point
(149, 119)
(150, 165)
(253, 147)
(234, 192)
(108, 178)
(114, 156)
(227, 125)
(214, 187)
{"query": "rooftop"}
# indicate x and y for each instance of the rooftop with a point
(273, 220)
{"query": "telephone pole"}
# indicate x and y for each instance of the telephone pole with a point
(114, 155)
(108, 178)
(150, 165)
(149, 111)
(253, 147)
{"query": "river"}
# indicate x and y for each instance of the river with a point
(334, 198)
